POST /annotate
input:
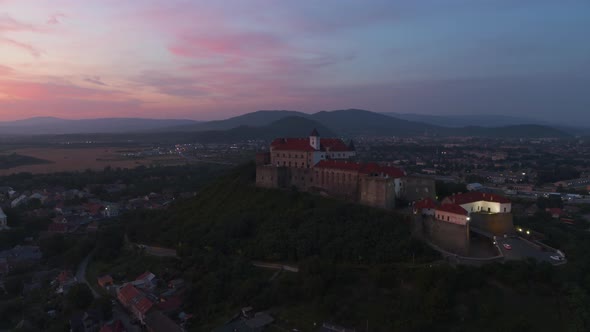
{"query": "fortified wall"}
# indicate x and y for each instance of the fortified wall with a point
(452, 237)
(495, 223)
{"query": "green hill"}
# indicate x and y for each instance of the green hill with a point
(233, 216)
(357, 264)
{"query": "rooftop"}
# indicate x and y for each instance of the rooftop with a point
(476, 196)
(363, 168)
(302, 144)
(452, 208)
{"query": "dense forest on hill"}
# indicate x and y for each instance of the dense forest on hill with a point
(232, 216)
(358, 266)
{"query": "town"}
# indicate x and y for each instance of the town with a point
(467, 201)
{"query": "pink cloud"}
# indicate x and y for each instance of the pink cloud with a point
(235, 45)
(7, 23)
(23, 46)
(52, 91)
(55, 18)
(5, 71)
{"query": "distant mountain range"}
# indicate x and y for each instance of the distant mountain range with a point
(466, 120)
(54, 126)
(280, 123)
(353, 122)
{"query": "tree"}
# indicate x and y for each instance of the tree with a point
(80, 296)
(105, 307)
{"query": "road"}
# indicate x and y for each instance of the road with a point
(522, 249)
(81, 274)
(159, 252)
(118, 312)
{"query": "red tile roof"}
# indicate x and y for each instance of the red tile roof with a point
(427, 203)
(132, 297)
(302, 144)
(452, 208)
(116, 326)
(363, 168)
(332, 144)
(170, 304)
(93, 208)
(146, 275)
(476, 196)
(64, 276)
(57, 228)
(105, 280)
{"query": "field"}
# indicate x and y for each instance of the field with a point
(78, 159)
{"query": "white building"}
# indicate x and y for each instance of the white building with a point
(307, 152)
(452, 213)
(480, 202)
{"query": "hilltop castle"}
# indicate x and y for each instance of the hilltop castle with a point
(326, 165)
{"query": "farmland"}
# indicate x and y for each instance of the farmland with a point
(78, 159)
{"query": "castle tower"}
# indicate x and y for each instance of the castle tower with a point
(314, 139)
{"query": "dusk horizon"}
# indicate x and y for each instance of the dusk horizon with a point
(208, 61)
(317, 166)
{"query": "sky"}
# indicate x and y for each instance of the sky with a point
(211, 59)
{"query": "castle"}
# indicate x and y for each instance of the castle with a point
(326, 165)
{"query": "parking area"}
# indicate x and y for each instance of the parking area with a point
(519, 249)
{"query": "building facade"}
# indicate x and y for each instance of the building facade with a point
(326, 165)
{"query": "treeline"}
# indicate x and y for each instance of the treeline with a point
(140, 180)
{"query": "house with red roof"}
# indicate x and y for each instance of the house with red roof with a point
(57, 228)
(105, 281)
(135, 301)
(479, 202)
(425, 207)
(116, 326)
(452, 213)
(146, 281)
(555, 213)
